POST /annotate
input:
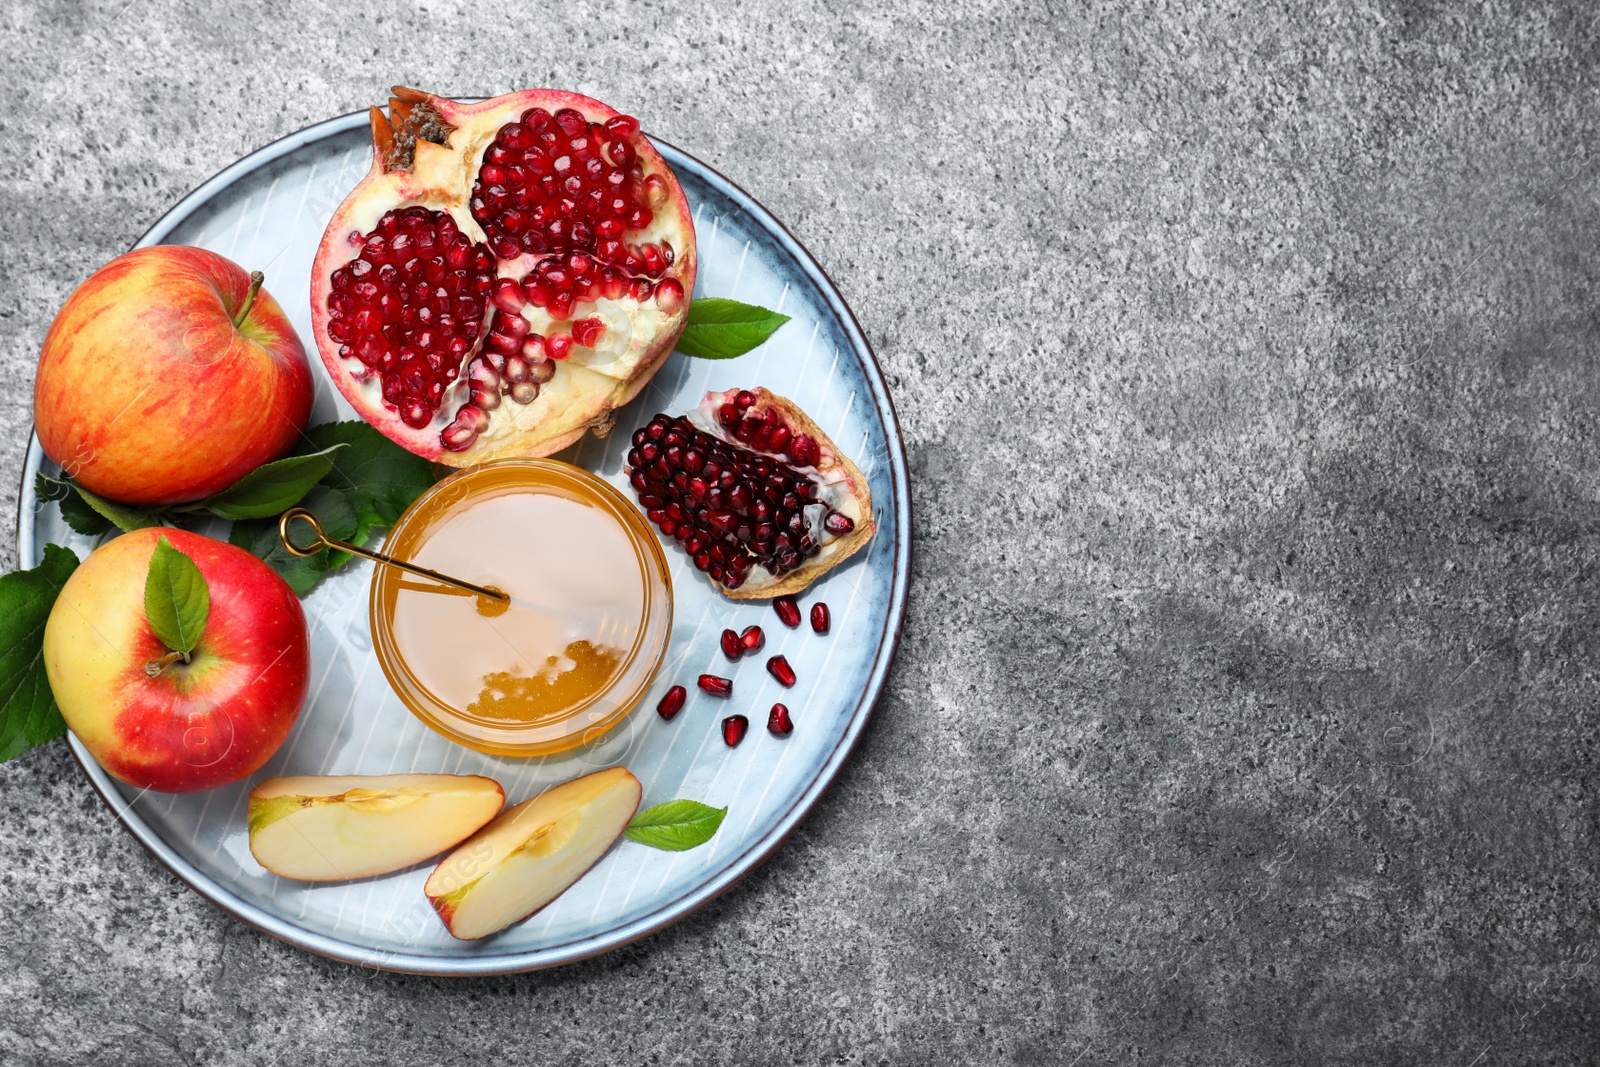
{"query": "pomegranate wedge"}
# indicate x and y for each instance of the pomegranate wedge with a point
(754, 491)
(505, 276)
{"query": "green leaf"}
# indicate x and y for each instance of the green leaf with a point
(676, 825)
(91, 514)
(176, 598)
(75, 512)
(369, 483)
(380, 478)
(28, 712)
(722, 329)
(272, 488)
(260, 538)
(124, 517)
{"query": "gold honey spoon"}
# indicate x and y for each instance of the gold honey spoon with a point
(498, 601)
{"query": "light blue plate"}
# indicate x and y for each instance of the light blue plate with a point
(267, 212)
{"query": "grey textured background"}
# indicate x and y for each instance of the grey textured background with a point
(1246, 360)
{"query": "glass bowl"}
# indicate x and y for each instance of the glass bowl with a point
(588, 624)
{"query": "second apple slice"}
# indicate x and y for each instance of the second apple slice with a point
(532, 853)
(318, 828)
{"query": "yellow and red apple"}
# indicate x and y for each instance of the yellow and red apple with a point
(158, 722)
(167, 376)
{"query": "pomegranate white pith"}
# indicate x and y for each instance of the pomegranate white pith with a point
(755, 492)
(505, 276)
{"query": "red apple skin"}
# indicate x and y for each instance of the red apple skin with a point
(199, 725)
(146, 392)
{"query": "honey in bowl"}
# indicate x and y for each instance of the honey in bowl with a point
(585, 627)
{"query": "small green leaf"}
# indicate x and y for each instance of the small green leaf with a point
(75, 511)
(260, 538)
(380, 478)
(272, 488)
(28, 712)
(124, 517)
(176, 598)
(676, 825)
(723, 329)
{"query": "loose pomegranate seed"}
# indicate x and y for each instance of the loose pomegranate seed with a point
(778, 722)
(732, 647)
(716, 686)
(753, 639)
(779, 668)
(672, 703)
(788, 611)
(819, 618)
(734, 727)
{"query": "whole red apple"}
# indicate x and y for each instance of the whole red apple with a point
(194, 725)
(168, 376)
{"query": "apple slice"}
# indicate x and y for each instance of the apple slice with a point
(532, 853)
(316, 828)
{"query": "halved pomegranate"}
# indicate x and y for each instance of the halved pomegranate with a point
(505, 276)
(755, 492)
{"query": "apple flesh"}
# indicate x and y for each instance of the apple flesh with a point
(196, 725)
(148, 393)
(316, 828)
(532, 853)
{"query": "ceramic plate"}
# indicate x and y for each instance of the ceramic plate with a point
(268, 212)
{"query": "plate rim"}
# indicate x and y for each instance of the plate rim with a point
(730, 874)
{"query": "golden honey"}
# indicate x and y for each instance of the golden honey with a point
(584, 632)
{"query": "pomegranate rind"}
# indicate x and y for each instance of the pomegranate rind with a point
(588, 386)
(833, 468)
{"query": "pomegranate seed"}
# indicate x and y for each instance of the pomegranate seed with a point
(716, 686)
(732, 647)
(779, 668)
(571, 122)
(508, 297)
(622, 127)
(672, 703)
(469, 423)
(655, 191)
(803, 451)
(819, 618)
(734, 727)
(558, 345)
(387, 322)
(778, 722)
(753, 639)
(735, 507)
(563, 188)
(838, 524)
(669, 296)
(788, 610)
(587, 332)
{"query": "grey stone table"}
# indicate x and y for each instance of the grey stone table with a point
(1247, 361)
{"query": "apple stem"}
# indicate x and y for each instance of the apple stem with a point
(256, 278)
(156, 666)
